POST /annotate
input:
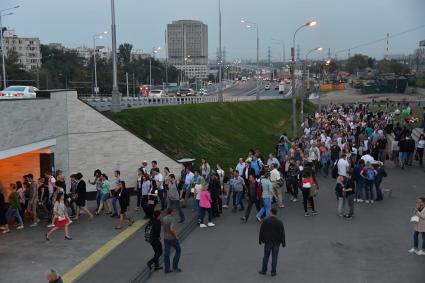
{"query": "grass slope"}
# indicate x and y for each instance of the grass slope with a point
(220, 132)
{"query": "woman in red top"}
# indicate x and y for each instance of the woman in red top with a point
(308, 181)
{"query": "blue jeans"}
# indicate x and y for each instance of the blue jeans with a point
(359, 188)
(14, 212)
(369, 189)
(416, 240)
(175, 204)
(167, 246)
(114, 205)
(379, 195)
(239, 200)
(229, 195)
(267, 205)
(274, 250)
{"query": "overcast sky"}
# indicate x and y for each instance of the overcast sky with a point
(341, 23)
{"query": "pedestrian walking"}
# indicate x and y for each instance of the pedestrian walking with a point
(348, 194)
(266, 195)
(96, 182)
(254, 196)
(170, 240)
(174, 197)
(369, 175)
(205, 206)
(81, 200)
(154, 227)
(419, 227)
(124, 201)
(104, 194)
(272, 235)
(61, 218)
(309, 184)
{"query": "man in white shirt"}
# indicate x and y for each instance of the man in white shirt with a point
(240, 166)
(272, 160)
(277, 184)
(188, 181)
(343, 166)
(159, 180)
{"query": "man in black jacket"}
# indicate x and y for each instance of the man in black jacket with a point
(156, 240)
(272, 234)
(252, 187)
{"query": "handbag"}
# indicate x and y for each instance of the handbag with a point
(414, 219)
(314, 191)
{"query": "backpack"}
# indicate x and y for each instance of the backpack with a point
(370, 174)
(149, 232)
(335, 170)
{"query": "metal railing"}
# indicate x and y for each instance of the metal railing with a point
(104, 104)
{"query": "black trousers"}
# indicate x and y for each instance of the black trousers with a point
(157, 249)
(250, 204)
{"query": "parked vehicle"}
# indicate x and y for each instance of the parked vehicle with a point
(157, 93)
(18, 91)
(210, 83)
(276, 87)
(203, 92)
(267, 87)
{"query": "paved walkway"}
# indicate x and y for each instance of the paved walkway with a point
(370, 248)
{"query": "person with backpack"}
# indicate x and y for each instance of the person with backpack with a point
(308, 180)
(254, 196)
(369, 175)
(348, 194)
(153, 237)
(292, 182)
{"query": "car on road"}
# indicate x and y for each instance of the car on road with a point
(203, 92)
(157, 93)
(267, 87)
(18, 91)
(276, 87)
(183, 92)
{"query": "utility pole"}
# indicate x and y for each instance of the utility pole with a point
(116, 96)
(220, 59)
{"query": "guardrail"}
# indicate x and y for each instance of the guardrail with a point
(104, 104)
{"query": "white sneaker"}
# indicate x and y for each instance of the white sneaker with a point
(294, 200)
(35, 224)
(359, 200)
(413, 251)
(420, 252)
(202, 225)
(20, 227)
(366, 201)
(51, 225)
(258, 218)
(225, 206)
(210, 224)
(371, 201)
(70, 222)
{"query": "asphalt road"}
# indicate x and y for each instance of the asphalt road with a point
(326, 248)
(246, 88)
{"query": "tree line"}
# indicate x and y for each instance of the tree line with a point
(65, 68)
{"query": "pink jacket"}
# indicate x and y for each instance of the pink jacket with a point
(205, 200)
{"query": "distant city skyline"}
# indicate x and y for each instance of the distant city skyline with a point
(340, 26)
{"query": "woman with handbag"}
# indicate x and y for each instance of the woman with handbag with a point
(152, 198)
(308, 189)
(418, 221)
(61, 218)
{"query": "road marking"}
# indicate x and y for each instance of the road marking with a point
(100, 253)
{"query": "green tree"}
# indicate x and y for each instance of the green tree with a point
(392, 66)
(124, 54)
(357, 63)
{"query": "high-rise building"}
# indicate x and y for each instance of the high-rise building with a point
(188, 47)
(28, 49)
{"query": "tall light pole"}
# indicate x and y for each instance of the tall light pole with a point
(3, 51)
(308, 81)
(116, 97)
(220, 57)
(326, 63)
(255, 25)
(294, 100)
(154, 51)
(96, 36)
(186, 58)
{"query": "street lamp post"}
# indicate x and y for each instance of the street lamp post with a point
(294, 101)
(154, 51)
(255, 25)
(116, 97)
(308, 81)
(326, 63)
(96, 36)
(220, 59)
(2, 43)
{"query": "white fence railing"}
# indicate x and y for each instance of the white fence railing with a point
(104, 104)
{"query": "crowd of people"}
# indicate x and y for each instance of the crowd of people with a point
(345, 142)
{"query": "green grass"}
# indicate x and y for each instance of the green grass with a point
(220, 132)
